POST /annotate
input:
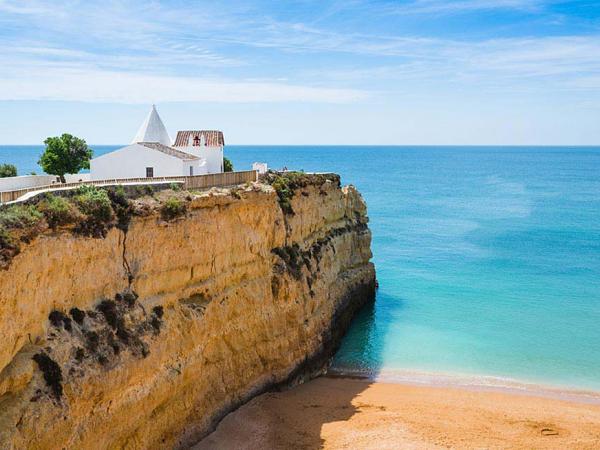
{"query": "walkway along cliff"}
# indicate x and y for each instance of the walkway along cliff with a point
(141, 323)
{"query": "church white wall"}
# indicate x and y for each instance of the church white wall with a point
(131, 162)
(260, 167)
(212, 155)
(25, 181)
(29, 181)
(201, 167)
(76, 177)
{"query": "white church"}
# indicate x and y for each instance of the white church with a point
(153, 154)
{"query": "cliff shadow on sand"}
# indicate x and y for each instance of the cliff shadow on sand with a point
(299, 417)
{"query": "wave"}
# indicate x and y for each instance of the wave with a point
(470, 382)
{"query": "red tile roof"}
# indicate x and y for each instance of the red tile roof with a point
(212, 138)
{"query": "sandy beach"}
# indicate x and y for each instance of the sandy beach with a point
(343, 413)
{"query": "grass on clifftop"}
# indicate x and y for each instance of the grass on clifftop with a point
(92, 211)
(96, 208)
(87, 211)
(20, 216)
(173, 208)
(18, 223)
(58, 211)
(286, 183)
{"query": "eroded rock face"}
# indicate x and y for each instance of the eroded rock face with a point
(146, 338)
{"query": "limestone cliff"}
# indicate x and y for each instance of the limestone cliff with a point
(146, 337)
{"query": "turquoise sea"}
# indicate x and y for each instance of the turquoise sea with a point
(488, 258)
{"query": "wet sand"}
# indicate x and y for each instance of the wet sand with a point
(342, 413)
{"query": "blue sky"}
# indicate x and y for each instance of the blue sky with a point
(304, 72)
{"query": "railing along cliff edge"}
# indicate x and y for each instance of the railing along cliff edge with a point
(189, 182)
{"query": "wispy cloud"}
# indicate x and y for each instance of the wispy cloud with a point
(461, 6)
(127, 51)
(23, 8)
(120, 87)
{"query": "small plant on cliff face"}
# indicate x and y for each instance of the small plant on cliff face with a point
(172, 209)
(284, 193)
(286, 183)
(292, 258)
(58, 211)
(121, 206)
(235, 193)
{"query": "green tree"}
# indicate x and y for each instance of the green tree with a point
(7, 170)
(65, 154)
(227, 165)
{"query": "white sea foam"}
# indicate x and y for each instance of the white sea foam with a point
(471, 382)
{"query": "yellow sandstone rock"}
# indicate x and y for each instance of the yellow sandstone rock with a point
(211, 309)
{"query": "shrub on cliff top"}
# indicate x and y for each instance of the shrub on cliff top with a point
(95, 204)
(20, 216)
(94, 201)
(6, 240)
(9, 247)
(146, 189)
(21, 222)
(172, 208)
(58, 211)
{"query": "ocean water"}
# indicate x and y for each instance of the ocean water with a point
(488, 258)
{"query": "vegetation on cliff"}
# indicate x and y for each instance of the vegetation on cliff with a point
(92, 211)
(88, 211)
(17, 224)
(58, 211)
(287, 183)
(173, 208)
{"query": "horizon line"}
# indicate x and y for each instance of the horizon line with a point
(352, 145)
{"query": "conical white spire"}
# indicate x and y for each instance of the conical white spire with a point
(152, 130)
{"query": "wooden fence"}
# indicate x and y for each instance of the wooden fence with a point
(193, 182)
